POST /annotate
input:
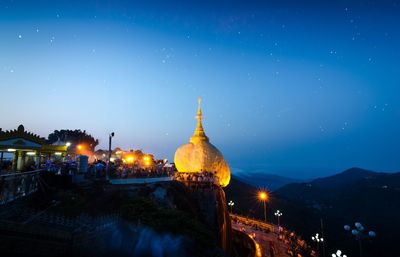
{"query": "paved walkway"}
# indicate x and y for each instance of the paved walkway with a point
(269, 243)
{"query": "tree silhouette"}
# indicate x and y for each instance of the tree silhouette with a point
(75, 137)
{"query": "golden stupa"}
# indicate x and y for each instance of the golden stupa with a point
(200, 155)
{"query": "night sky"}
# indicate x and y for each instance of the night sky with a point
(296, 88)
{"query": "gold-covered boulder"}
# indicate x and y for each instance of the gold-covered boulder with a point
(199, 155)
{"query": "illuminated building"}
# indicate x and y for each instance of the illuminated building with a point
(27, 147)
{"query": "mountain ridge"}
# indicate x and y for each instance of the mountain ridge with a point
(266, 180)
(354, 195)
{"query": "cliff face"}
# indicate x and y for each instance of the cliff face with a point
(212, 211)
(169, 217)
(224, 221)
(205, 204)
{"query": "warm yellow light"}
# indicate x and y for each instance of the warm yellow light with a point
(79, 147)
(130, 159)
(11, 150)
(112, 159)
(58, 153)
(147, 163)
(263, 196)
(146, 158)
(31, 153)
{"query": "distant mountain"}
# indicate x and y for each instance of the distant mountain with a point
(321, 188)
(269, 181)
(372, 198)
(346, 177)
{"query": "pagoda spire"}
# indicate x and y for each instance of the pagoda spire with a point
(199, 134)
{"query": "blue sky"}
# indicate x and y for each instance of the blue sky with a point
(296, 88)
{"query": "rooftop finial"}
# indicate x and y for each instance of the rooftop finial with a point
(199, 133)
(199, 107)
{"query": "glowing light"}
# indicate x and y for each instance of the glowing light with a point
(68, 144)
(263, 196)
(258, 250)
(112, 159)
(338, 254)
(11, 150)
(130, 159)
(79, 147)
(146, 158)
(31, 153)
(58, 153)
(317, 238)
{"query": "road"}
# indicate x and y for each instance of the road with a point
(269, 244)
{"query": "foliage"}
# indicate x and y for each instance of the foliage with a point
(146, 212)
(75, 137)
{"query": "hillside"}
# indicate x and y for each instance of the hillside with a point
(369, 197)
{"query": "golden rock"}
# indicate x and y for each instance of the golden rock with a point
(200, 155)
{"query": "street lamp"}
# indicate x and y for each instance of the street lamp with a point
(278, 214)
(231, 204)
(109, 154)
(360, 233)
(263, 196)
(318, 240)
(338, 254)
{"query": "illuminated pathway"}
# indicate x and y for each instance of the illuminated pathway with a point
(269, 244)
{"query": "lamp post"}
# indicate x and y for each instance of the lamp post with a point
(318, 240)
(263, 196)
(360, 233)
(231, 204)
(109, 155)
(338, 254)
(278, 214)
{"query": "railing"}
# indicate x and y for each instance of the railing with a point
(17, 185)
(253, 222)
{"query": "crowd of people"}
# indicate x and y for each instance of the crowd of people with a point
(139, 172)
(119, 170)
(98, 169)
(67, 167)
(203, 178)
